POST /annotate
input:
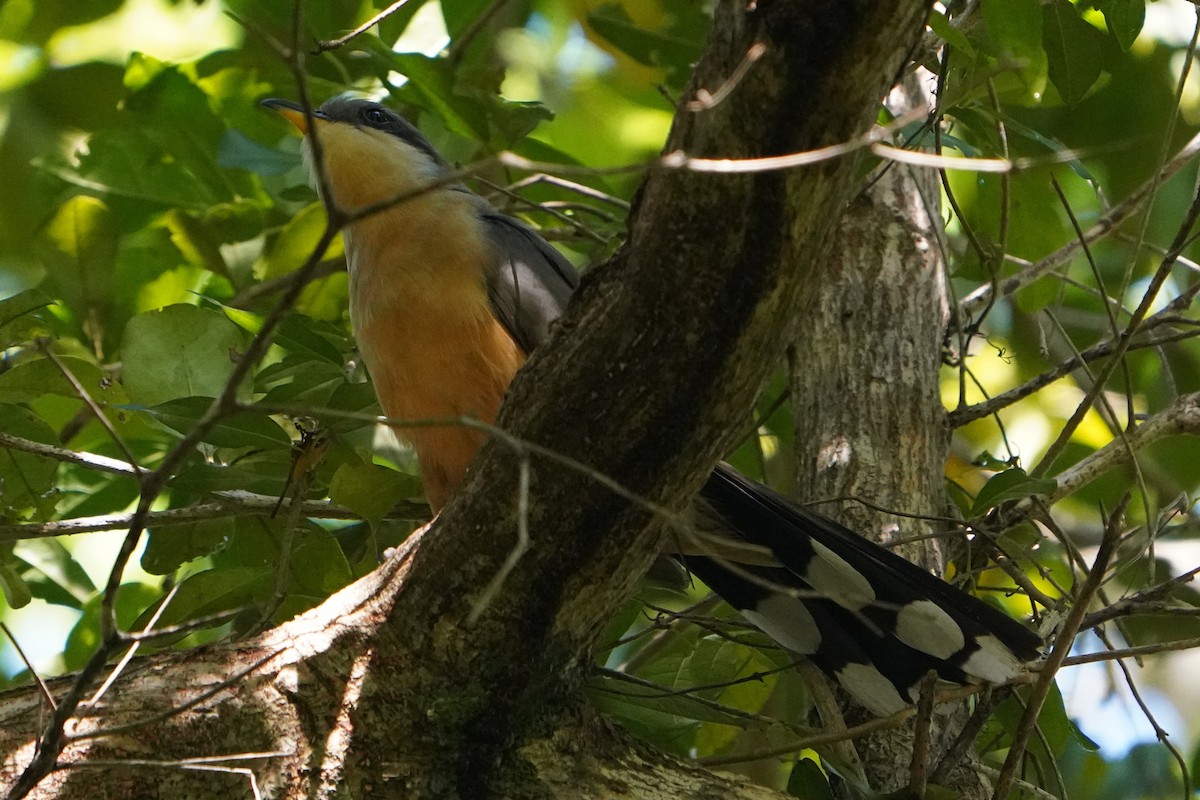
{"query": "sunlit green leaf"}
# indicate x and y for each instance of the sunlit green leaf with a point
(296, 244)
(79, 251)
(180, 351)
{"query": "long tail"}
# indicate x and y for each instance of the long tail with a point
(867, 617)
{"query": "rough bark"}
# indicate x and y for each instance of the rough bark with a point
(386, 690)
(869, 419)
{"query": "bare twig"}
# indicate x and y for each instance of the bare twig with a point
(41, 684)
(89, 460)
(229, 503)
(1062, 647)
(1182, 237)
(983, 296)
(1182, 416)
(92, 405)
(333, 44)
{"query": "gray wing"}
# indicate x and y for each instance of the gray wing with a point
(531, 281)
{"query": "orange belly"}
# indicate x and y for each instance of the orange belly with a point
(429, 364)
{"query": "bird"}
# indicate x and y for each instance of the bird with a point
(448, 296)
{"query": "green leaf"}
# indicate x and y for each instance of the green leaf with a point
(262, 471)
(21, 304)
(318, 565)
(301, 382)
(54, 575)
(353, 398)
(239, 151)
(16, 592)
(247, 428)
(132, 599)
(196, 243)
(303, 336)
(1013, 34)
(432, 80)
(27, 480)
(940, 25)
(1013, 484)
(296, 243)
(459, 15)
(79, 251)
(170, 546)
(1125, 19)
(1072, 50)
(655, 48)
(371, 490)
(180, 351)
(212, 592)
(33, 379)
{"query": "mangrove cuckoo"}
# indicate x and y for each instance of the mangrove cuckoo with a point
(448, 296)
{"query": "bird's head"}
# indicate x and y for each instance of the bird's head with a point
(369, 152)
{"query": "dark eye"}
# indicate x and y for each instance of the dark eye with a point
(374, 116)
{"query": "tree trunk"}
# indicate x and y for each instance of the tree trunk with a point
(410, 683)
(870, 425)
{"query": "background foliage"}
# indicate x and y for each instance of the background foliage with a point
(152, 216)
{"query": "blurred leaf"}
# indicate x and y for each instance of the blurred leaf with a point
(941, 26)
(1072, 50)
(36, 22)
(1013, 33)
(26, 481)
(17, 593)
(132, 599)
(79, 251)
(239, 151)
(675, 45)
(1124, 19)
(180, 351)
(370, 490)
(55, 576)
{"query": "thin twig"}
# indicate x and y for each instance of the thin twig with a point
(92, 405)
(985, 295)
(41, 684)
(333, 44)
(1062, 647)
(82, 459)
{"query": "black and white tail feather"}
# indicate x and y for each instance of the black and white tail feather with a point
(867, 617)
